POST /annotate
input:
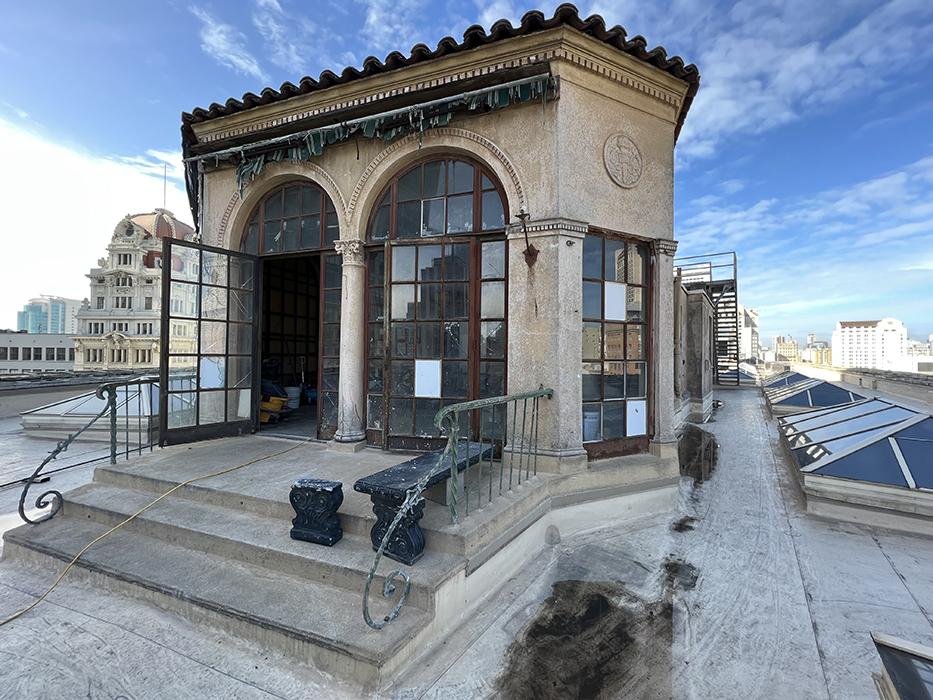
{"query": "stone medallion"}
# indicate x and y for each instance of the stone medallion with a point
(623, 161)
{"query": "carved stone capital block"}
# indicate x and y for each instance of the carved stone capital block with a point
(316, 502)
(407, 542)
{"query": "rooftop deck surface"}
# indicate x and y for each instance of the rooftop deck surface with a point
(781, 607)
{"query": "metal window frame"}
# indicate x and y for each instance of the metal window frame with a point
(474, 281)
(597, 449)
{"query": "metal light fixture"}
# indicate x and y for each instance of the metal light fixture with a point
(531, 253)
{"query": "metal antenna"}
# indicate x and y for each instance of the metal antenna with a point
(164, 182)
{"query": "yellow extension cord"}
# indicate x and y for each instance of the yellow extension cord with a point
(133, 516)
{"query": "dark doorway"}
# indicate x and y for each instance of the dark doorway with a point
(291, 337)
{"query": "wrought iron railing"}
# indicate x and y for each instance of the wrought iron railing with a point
(137, 401)
(489, 419)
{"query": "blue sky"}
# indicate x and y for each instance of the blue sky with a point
(809, 149)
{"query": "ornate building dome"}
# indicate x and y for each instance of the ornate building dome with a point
(159, 223)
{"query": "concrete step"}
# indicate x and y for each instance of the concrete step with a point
(484, 525)
(306, 619)
(254, 539)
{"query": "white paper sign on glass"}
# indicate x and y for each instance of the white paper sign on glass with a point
(635, 418)
(428, 379)
(614, 301)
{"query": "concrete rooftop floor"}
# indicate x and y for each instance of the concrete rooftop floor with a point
(782, 606)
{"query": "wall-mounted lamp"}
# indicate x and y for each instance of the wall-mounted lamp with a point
(531, 253)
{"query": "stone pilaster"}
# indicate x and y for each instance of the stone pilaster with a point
(664, 442)
(351, 396)
(545, 304)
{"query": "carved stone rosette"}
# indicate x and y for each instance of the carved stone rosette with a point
(316, 502)
(623, 160)
(351, 250)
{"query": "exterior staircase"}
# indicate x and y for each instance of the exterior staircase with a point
(219, 551)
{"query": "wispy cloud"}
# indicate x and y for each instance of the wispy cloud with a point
(765, 64)
(396, 25)
(227, 45)
(841, 252)
(155, 163)
(284, 36)
(490, 11)
(92, 193)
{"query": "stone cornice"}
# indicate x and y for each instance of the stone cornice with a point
(549, 227)
(665, 246)
(560, 44)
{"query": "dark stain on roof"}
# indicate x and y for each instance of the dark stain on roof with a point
(475, 36)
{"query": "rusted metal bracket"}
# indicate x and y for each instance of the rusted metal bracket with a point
(531, 253)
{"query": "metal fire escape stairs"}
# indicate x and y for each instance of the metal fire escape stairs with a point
(716, 274)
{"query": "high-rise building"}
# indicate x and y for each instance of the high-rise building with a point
(869, 344)
(119, 326)
(49, 314)
(786, 348)
(749, 340)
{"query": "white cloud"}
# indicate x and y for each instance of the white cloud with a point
(227, 45)
(492, 11)
(764, 64)
(285, 37)
(395, 25)
(856, 251)
(62, 205)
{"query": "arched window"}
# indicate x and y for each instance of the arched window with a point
(296, 216)
(436, 299)
(437, 198)
(296, 225)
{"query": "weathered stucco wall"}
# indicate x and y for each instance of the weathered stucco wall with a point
(553, 161)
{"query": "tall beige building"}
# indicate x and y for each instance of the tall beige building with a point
(870, 344)
(120, 325)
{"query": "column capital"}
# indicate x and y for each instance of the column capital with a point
(665, 246)
(351, 250)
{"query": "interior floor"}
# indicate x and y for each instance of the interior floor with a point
(301, 423)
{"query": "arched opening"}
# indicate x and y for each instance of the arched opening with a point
(295, 216)
(293, 229)
(436, 298)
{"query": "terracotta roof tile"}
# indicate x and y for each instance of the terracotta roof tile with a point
(475, 35)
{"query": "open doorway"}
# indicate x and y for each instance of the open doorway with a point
(291, 329)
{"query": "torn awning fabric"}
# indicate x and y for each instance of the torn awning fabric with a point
(387, 126)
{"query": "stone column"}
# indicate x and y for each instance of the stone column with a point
(664, 442)
(351, 395)
(544, 348)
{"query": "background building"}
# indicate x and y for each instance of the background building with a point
(749, 340)
(785, 348)
(47, 314)
(870, 344)
(817, 351)
(120, 325)
(24, 353)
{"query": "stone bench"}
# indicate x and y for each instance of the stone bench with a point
(316, 502)
(389, 487)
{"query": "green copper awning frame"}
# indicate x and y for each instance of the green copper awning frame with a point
(387, 126)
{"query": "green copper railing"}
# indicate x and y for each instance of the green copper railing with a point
(518, 443)
(517, 447)
(135, 399)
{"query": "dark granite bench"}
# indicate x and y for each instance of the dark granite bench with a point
(389, 487)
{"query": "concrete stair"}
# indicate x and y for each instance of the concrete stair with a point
(219, 550)
(295, 614)
(253, 539)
